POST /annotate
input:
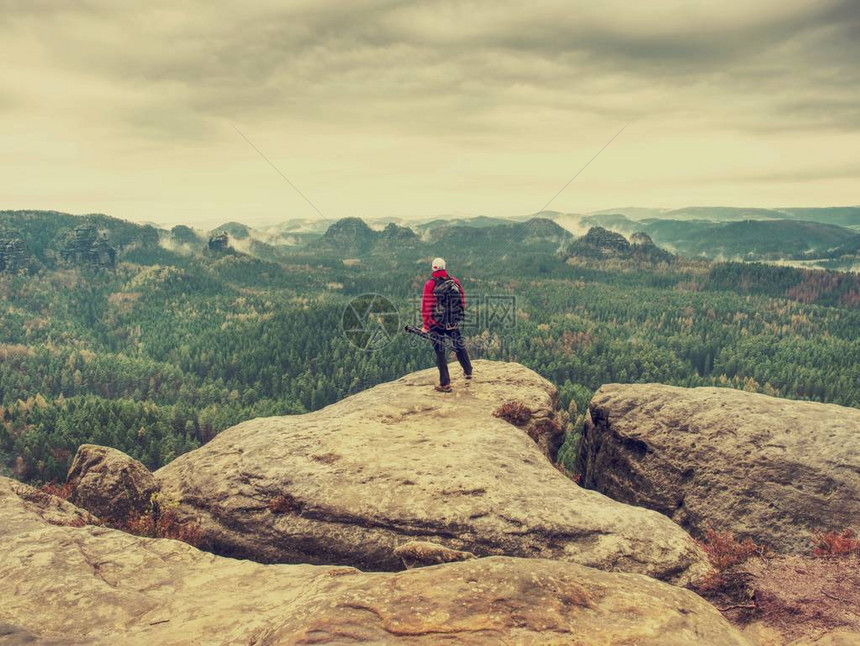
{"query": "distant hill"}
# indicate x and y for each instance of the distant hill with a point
(477, 222)
(709, 232)
(353, 236)
(549, 215)
(298, 225)
(750, 239)
(268, 244)
(613, 221)
(600, 243)
(395, 233)
(501, 238)
(632, 212)
(47, 234)
(347, 234)
(183, 235)
(677, 233)
(713, 234)
(722, 213)
(235, 230)
(850, 247)
(845, 216)
(845, 255)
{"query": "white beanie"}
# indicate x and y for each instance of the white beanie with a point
(438, 263)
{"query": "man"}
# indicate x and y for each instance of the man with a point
(442, 306)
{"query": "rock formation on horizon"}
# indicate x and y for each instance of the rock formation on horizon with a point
(771, 469)
(219, 242)
(77, 583)
(14, 256)
(349, 483)
(601, 243)
(86, 246)
(396, 233)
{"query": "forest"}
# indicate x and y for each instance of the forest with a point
(161, 352)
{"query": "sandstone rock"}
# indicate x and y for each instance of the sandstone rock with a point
(14, 256)
(760, 634)
(349, 483)
(599, 243)
(766, 468)
(110, 484)
(804, 601)
(219, 242)
(41, 506)
(85, 245)
(544, 425)
(605, 240)
(94, 585)
(643, 248)
(836, 638)
(642, 238)
(422, 553)
(395, 233)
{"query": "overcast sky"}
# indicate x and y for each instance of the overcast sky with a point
(392, 108)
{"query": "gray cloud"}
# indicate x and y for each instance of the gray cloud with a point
(439, 78)
(408, 58)
(808, 174)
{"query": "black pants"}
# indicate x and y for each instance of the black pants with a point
(439, 335)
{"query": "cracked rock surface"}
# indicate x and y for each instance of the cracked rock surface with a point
(69, 584)
(350, 483)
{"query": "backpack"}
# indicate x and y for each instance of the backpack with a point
(448, 311)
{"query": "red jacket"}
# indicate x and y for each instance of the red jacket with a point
(428, 299)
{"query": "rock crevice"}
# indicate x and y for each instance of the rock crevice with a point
(94, 585)
(770, 469)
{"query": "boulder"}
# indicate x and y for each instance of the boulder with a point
(761, 467)
(110, 484)
(348, 484)
(95, 585)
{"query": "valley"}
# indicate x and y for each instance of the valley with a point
(174, 342)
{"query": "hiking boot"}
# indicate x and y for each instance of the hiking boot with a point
(443, 389)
